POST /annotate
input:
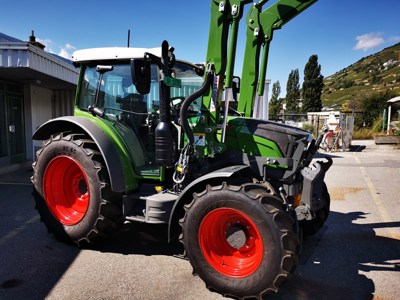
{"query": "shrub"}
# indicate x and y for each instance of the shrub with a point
(309, 127)
(362, 134)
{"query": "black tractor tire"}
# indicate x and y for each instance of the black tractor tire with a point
(311, 227)
(72, 190)
(240, 240)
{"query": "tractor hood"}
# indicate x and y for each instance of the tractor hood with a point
(265, 138)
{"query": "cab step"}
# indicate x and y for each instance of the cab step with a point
(153, 209)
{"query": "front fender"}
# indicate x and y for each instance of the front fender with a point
(103, 142)
(198, 185)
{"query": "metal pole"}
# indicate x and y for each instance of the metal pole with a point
(384, 120)
(388, 123)
(265, 106)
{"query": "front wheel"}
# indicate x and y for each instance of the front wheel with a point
(240, 240)
(321, 215)
(72, 190)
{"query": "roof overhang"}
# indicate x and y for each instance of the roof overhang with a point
(21, 61)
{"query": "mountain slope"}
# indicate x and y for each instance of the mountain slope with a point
(374, 73)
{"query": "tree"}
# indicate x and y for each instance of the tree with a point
(293, 92)
(275, 103)
(312, 85)
(371, 106)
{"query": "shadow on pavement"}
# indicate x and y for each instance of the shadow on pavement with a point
(333, 261)
(319, 155)
(140, 238)
(357, 148)
(333, 265)
(31, 260)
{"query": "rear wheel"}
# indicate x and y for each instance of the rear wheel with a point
(72, 190)
(240, 239)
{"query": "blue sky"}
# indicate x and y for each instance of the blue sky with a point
(340, 32)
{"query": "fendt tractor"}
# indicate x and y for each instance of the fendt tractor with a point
(158, 140)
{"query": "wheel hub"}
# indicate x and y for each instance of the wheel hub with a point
(66, 190)
(236, 236)
(231, 242)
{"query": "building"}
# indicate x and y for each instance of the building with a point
(35, 86)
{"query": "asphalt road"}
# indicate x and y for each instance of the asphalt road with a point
(356, 255)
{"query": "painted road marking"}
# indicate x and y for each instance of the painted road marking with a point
(377, 200)
(15, 183)
(16, 231)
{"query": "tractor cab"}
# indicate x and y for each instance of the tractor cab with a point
(106, 90)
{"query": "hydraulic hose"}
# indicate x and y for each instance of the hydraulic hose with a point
(186, 103)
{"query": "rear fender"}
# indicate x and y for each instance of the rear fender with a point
(198, 185)
(103, 142)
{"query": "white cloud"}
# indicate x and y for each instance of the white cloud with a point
(63, 51)
(369, 41)
(47, 43)
(69, 46)
(66, 50)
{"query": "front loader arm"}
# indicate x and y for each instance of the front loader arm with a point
(260, 28)
(225, 18)
(221, 52)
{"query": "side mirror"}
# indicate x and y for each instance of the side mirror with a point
(140, 72)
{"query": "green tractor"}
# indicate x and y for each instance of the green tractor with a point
(161, 141)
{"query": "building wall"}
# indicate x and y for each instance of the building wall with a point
(41, 111)
(45, 104)
(45, 90)
(63, 103)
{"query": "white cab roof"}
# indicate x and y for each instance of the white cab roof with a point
(112, 53)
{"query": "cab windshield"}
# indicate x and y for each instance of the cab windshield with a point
(134, 115)
(116, 84)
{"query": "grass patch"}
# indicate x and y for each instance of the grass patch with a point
(363, 134)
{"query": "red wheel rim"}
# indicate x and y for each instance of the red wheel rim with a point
(230, 242)
(66, 190)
